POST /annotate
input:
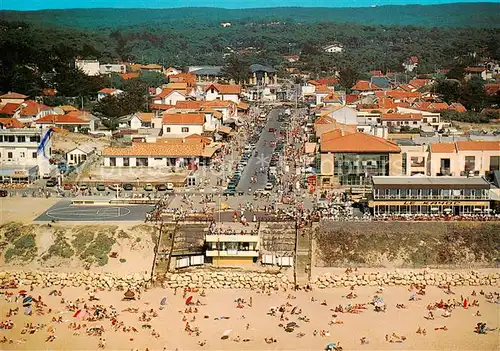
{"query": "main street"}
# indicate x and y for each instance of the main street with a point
(264, 152)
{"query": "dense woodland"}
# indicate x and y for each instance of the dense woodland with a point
(37, 49)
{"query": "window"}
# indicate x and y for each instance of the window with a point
(126, 161)
(34, 155)
(141, 162)
(112, 161)
(21, 139)
(417, 161)
(167, 130)
(35, 139)
(158, 158)
(1, 138)
(10, 139)
(9, 155)
(494, 163)
(185, 129)
(470, 163)
(22, 154)
(415, 122)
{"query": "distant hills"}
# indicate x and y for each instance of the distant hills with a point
(477, 15)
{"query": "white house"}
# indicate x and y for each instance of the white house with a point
(105, 92)
(182, 124)
(108, 68)
(410, 120)
(170, 71)
(12, 98)
(411, 64)
(169, 97)
(18, 154)
(89, 67)
(158, 155)
(334, 48)
(136, 120)
(224, 92)
(74, 122)
(79, 154)
(345, 115)
(225, 24)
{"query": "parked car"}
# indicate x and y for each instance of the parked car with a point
(148, 187)
(3, 193)
(170, 187)
(269, 186)
(83, 187)
(100, 187)
(68, 186)
(161, 187)
(229, 192)
(51, 182)
(128, 187)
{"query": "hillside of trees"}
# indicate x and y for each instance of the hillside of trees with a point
(484, 15)
(38, 52)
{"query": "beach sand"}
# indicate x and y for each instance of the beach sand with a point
(220, 303)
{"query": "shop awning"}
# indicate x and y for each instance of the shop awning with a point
(310, 148)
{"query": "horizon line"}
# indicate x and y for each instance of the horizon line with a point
(255, 8)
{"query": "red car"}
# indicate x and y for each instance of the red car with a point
(67, 186)
(272, 130)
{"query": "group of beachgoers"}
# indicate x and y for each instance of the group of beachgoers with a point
(87, 316)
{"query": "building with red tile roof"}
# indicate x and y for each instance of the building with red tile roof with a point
(350, 158)
(463, 158)
(357, 143)
(365, 86)
(8, 123)
(9, 108)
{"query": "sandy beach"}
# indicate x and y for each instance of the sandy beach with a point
(254, 323)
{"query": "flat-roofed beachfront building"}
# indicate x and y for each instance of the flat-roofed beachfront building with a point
(429, 195)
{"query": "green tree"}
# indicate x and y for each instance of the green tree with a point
(450, 89)
(473, 95)
(348, 77)
(236, 67)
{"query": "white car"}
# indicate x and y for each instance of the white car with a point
(115, 187)
(269, 186)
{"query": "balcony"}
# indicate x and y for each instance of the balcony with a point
(232, 238)
(445, 171)
(232, 253)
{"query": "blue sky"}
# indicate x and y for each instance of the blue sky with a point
(233, 4)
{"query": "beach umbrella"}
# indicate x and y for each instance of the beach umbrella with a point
(129, 294)
(163, 301)
(292, 325)
(27, 300)
(330, 346)
(79, 314)
(22, 292)
(293, 310)
(28, 311)
(226, 333)
(189, 299)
